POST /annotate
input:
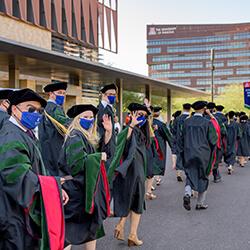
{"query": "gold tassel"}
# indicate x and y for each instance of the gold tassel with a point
(117, 95)
(59, 127)
(95, 126)
(151, 131)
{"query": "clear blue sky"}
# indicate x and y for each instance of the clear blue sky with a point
(134, 15)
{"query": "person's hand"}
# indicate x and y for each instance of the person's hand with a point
(147, 102)
(65, 197)
(155, 127)
(62, 180)
(104, 156)
(134, 120)
(107, 124)
(209, 113)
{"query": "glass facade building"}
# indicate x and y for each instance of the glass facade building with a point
(182, 54)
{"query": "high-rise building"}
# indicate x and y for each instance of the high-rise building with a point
(76, 28)
(182, 54)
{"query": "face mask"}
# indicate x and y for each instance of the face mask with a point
(60, 99)
(111, 99)
(142, 119)
(86, 124)
(30, 120)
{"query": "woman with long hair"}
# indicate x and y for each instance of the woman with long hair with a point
(128, 170)
(88, 190)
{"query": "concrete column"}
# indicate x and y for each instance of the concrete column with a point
(148, 92)
(31, 84)
(169, 105)
(119, 113)
(13, 77)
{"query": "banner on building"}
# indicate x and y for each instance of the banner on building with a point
(246, 95)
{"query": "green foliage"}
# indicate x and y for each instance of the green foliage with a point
(129, 97)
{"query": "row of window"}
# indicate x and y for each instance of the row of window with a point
(160, 66)
(219, 81)
(206, 47)
(187, 65)
(154, 50)
(197, 73)
(182, 82)
(204, 56)
(243, 71)
(238, 62)
(189, 40)
(216, 64)
(241, 35)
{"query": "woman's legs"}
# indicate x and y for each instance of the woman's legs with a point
(242, 160)
(149, 194)
(134, 222)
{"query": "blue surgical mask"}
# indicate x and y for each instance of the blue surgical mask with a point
(30, 120)
(142, 119)
(86, 124)
(60, 99)
(111, 99)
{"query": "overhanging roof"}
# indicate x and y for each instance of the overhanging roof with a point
(38, 62)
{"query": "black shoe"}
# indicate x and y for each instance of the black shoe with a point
(179, 178)
(217, 180)
(186, 202)
(201, 207)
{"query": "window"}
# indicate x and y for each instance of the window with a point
(154, 50)
(241, 35)
(160, 66)
(238, 62)
(187, 65)
(206, 47)
(216, 64)
(189, 40)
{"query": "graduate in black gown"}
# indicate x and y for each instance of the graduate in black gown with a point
(106, 108)
(128, 171)
(23, 180)
(198, 142)
(234, 133)
(243, 150)
(89, 190)
(50, 136)
(177, 132)
(163, 136)
(171, 128)
(4, 105)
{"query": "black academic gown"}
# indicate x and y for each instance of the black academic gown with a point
(163, 135)
(20, 163)
(3, 117)
(171, 129)
(110, 148)
(234, 133)
(51, 140)
(222, 117)
(80, 159)
(177, 131)
(244, 141)
(127, 173)
(152, 155)
(198, 142)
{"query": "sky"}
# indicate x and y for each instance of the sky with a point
(134, 15)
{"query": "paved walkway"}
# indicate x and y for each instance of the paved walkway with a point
(167, 225)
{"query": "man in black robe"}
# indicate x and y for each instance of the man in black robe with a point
(4, 105)
(199, 138)
(105, 108)
(21, 165)
(177, 131)
(234, 133)
(50, 138)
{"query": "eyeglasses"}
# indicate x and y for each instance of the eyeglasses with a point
(141, 115)
(32, 109)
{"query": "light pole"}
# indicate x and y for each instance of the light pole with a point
(212, 69)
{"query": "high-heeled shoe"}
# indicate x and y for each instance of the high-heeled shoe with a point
(150, 196)
(119, 232)
(133, 239)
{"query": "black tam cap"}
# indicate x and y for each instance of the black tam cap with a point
(186, 106)
(56, 86)
(25, 95)
(157, 109)
(243, 118)
(241, 113)
(4, 93)
(219, 107)
(107, 87)
(78, 109)
(211, 105)
(136, 106)
(231, 114)
(177, 113)
(199, 105)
